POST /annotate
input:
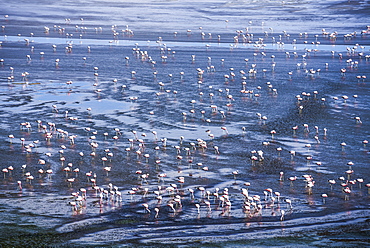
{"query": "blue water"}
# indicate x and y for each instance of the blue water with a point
(152, 129)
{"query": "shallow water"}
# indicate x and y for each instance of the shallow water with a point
(289, 60)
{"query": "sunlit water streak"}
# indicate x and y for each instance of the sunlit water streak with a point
(267, 45)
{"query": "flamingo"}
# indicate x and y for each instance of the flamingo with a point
(324, 196)
(282, 215)
(146, 207)
(289, 202)
(347, 192)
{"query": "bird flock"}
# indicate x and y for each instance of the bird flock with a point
(191, 169)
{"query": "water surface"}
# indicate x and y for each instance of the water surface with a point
(95, 79)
